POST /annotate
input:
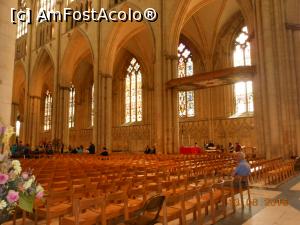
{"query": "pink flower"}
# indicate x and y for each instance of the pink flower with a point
(25, 175)
(40, 195)
(12, 196)
(3, 178)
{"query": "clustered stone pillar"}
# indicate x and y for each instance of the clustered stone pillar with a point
(108, 111)
(7, 53)
(103, 111)
(62, 124)
(33, 127)
(293, 33)
(275, 99)
(171, 121)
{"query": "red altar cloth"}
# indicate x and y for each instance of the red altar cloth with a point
(190, 150)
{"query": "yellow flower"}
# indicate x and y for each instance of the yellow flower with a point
(28, 184)
(16, 163)
(3, 205)
(39, 188)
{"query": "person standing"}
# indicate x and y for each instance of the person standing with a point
(91, 149)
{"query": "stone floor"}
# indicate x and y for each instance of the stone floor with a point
(280, 206)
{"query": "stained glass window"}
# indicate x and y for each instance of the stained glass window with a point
(72, 107)
(47, 111)
(92, 105)
(186, 104)
(22, 25)
(243, 90)
(133, 93)
(241, 55)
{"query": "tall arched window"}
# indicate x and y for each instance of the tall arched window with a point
(243, 90)
(47, 5)
(72, 107)
(18, 128)
(48, 111)
(133, 93)
(22, 26)
(92, 105)
(185, 68)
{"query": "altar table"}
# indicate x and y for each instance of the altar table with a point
(190, 150)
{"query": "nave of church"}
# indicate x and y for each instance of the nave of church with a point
(177, 107)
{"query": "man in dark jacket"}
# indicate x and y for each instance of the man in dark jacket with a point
(91, 149)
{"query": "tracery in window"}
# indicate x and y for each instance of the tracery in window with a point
(22, 25)
(241, 55)
(243, 90)
(133, 93)
(47, 111)
(72, 107)
(186, 104)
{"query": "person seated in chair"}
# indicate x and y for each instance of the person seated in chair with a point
(92, 149)
(104, 152)
(243, 169)
(147, 150)
(153, 150)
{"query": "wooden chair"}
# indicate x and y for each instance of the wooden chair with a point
(136, 199)
(116, 205)
(241, 184)
(218, 197)
(206, 201)
(191, 204)
(229, 193)
(57, 205)
(86, 212)
(172, 209)
(150, 212)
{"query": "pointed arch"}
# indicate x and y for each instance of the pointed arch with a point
(79, 48)
(121, 34)
(43, 72)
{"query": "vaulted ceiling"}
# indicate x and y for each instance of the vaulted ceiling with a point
(203, 26)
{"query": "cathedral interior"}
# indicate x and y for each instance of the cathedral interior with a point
(205, 75)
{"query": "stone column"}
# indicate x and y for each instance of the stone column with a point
(103, 114)
(174, 108)
(170, 104)
(97, 110)
(167, 108)
(14, 113)
(62, 120)
(108, 111)
(273, 84)
(34, 120)
(7, 54)
(293, 33)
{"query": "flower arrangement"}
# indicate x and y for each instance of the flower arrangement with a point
(17, 188)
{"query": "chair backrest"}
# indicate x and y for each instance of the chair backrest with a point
(152, 205)
(59, 196)
(87, 203)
